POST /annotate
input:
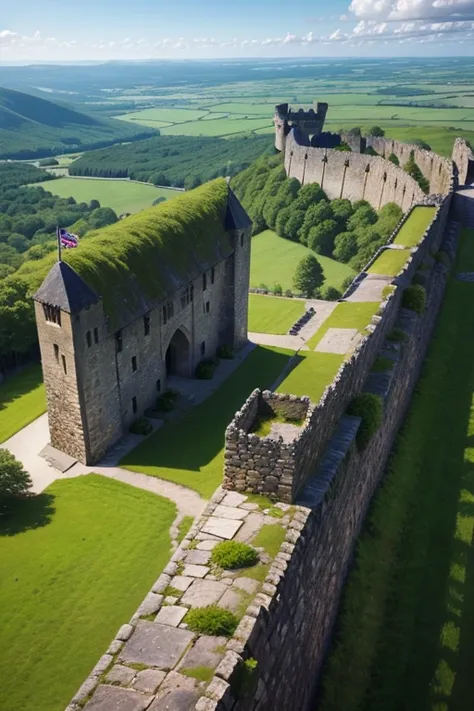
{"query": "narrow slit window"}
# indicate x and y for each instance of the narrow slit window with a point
(118, 342)
(56, 352)
(96, 335)
(146, 324)
(134, 363)
(134, 405)
(208, 307)
(89, 339)
(242, 239)
(158, 386)
(213, 275)
(63, 358)
(204, 281)
(203, 348)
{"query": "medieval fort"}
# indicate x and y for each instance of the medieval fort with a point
(113, 332)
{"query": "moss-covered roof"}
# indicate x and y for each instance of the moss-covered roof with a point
(144, 259)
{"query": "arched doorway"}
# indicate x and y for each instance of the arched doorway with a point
(177, 355)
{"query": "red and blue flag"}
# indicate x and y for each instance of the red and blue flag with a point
(67, 239)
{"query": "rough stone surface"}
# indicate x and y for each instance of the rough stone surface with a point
(195, 571)
(180, 582)
(148, 680)
(120, 674)
(203, 592)
(198, 557)
(207, 652)
(112, 698)
(247, 585)
(221, 527)
(156, 645)
(230, 512)
(171, 615)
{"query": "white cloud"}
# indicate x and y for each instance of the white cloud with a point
(400, 10)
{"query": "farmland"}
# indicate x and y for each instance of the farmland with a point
(120, 195)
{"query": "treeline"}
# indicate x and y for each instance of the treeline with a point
(177, 161)
(348, 232)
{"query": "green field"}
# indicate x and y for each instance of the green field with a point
(22, 400)
(311, 375)
(190, 451)
(274, 260)
(348, 314)
(406, 628)
(414, 227)
(77, 560)
(390, 262)
(272, 314)
(120, 195)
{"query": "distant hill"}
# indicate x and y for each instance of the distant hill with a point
(31, 127)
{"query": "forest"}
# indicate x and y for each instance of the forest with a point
(178, 161)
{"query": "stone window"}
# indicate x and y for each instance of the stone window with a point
(204, 281)
(63, 358)
(146, 324)
(118, 342)
(134, 363)
(187, 296)
(242, 239)
(208, 307)
(213, 275)
(134, 405)
(158, 386)
(203, 347)
(56, 352)
(89, 339)
(52, 314)
(96, 335)
(167, 312)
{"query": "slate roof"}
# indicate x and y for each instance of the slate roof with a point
(236, 218)
(64, 288)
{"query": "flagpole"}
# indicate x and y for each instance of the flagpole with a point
(58, 237)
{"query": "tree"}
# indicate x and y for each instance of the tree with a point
(309, 276)
(345, 246)
(363, 217)
(94, 204)
(413, 169)
(14, 480)
(321, 237)
(393, 159)
(341, 211)
(293, 224)
(314, 216)
(101, 217)
(18, 242)
(281, 220)
(375, 131)
(308, 195)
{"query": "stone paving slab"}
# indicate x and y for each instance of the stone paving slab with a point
(175, 700)
(205, 652)
(222, 527)
(233, 498)
(171, 615)
(195, 571)
(198, 557)
(230, 512)
(338, 340)
(148, 680)
(122, 675)
(204, 592)
(112, 698)
(231, 600)
(181, 582)
(252, 525)
(156, 645)
(248, 585)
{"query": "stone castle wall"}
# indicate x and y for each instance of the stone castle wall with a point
(351, 175)
(463, 157)
(264, 465)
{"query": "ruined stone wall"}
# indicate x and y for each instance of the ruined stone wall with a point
(438, 170)
(263, 465)
(463, 157)
(351, 175)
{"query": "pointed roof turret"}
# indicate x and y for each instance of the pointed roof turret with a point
(65, 289)
(236, 218)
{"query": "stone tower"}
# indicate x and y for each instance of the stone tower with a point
(83, 408)
(309, 123)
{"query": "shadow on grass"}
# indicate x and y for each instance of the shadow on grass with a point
(197, 438)
(26, 514)
(20, 384)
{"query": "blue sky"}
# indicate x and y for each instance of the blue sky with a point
(32, 30)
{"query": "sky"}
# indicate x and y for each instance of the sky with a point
(66, 30)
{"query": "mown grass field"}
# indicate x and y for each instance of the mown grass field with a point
(311, 375)
(190, 451)
(348, 314)
(272, 314)
(22, 400)
(274, 261)
(406, 629)
(390, 262)
(120, 195)
(77, 561)
(413, 229)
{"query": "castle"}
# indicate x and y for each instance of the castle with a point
(146, 298)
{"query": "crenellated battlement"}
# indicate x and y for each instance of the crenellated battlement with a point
(309, 123)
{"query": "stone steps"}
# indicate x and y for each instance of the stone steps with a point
(315, 490)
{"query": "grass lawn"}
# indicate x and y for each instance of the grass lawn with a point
(348, 314)
(216, 127)
(22, 400)
(272, 314)
(190, 451)
(311, 375)
(274, 260)
(406, 628)
(171, 115)
(120, 195)
(77, 561)
(390, 262)
(414, 228)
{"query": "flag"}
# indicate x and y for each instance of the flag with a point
(67, 239)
